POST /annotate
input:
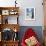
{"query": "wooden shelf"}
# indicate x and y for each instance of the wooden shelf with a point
(7, 13)
(9, 43)
(9, 8)
(4, 24)
(10, 26)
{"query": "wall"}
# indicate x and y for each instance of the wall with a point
(27, 3)
(37, 4)
(39, 12)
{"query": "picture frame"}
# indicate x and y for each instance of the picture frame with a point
(5, 12)
(29, 13)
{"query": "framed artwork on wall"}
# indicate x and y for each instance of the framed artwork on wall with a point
(5, 12)
(30, 13)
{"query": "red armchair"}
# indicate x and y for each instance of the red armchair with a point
(28, 34)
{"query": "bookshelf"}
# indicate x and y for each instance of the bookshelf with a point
(7, 24)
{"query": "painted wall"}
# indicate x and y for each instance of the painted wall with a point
(23, 4)
(38, 10)
(37, 4)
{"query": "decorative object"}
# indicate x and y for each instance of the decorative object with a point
(13, 12)
(6, 21)
(30, 38)
(7, 34)
(31, 41)
(15, 30)
(5, 12)
(15, 37)
(30, 13)
(15, 3)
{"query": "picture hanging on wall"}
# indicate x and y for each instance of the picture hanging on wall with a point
(30, 13)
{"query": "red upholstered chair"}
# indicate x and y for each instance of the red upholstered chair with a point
(29, 33)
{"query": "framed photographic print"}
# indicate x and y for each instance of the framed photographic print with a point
(30, 13)
(5, 12)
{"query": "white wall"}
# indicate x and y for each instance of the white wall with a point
(37, 4)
